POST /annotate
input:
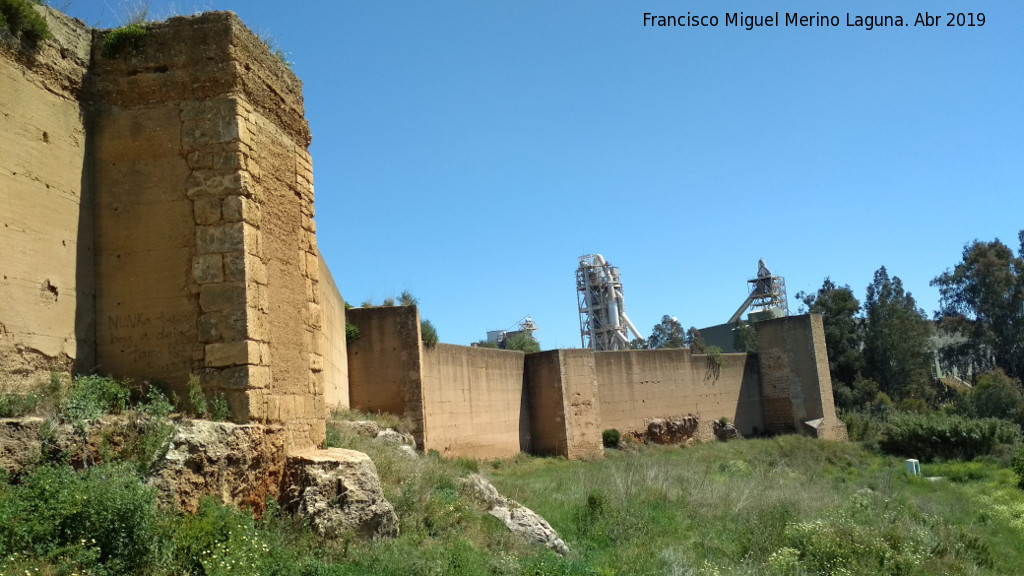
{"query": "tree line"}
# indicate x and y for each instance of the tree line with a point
(882, 349)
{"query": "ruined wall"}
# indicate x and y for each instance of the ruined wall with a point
(206, 256)
(384, 364)
(636, 386)
(46, 269)
(333, 341)
(474, 401)
(563, 403)
(796, 383)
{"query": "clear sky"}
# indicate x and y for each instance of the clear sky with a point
(470, 151)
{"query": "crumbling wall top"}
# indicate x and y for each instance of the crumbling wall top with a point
(211, 55)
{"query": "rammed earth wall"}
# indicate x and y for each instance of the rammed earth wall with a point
(486, 404)
(182, 171)
(46, 230)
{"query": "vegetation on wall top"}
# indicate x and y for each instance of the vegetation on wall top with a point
(124, 38)
(23, 21)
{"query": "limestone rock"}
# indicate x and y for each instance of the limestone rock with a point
(726, 431)
(337, 490)
(519, 519)
(241, 464)
(672, 430)
(20, 447)
(396, 438)
(367, 428)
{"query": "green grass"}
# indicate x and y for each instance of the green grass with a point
(785, 505)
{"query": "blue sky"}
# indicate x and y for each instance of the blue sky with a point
(470, 151)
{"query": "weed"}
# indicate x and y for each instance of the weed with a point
(428, 333)
(126, 38)
(219, 408)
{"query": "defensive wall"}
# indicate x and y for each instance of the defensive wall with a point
(485, 403)
(158, 220)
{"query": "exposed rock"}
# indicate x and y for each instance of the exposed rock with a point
(672, 430)
(367, 428)
(371, 429)
(396, 438)
(241, 464)
(20, 447)
(338, 490)
(409, 451)
(519, 519)
(725, 431)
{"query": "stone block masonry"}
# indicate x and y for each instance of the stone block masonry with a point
(164, 220)
(208, 261)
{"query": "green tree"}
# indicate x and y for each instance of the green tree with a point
(996, 395)
(668, 333)
(982, 298)
(523, 342)
(843, 334)
(744, 338)
(695, 341)
(896, 349)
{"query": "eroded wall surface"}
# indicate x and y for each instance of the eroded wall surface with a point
(474, 401)
(796, 382)
(46, 270)
(332, 342)
(636, 386)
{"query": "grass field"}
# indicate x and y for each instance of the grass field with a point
(785, 505)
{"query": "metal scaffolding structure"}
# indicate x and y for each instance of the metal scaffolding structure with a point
(603, 321)
(766, 298)
(498, 337)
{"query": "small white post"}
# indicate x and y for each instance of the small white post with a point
(913, 467)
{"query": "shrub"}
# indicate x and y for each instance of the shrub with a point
(103, 516)
(93, 396)
(125, 38)
(610, 438)
(938, 435)
(196, 398)
(23, 21)
(428, 333)
(995, 395)
(1018, 467)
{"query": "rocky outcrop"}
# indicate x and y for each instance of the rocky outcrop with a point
(370, 429)
(672, 430)
(20, 444)
(337, 490)
(725, 431)
(240, 464)
(519, 519)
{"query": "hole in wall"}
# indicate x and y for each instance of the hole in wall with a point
(46, 137)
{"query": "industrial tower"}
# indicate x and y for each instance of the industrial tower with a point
(767, 297)
(603, 321)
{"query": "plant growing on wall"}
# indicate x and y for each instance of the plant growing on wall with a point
(714, 362)
(23, 21)
(124, 38)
